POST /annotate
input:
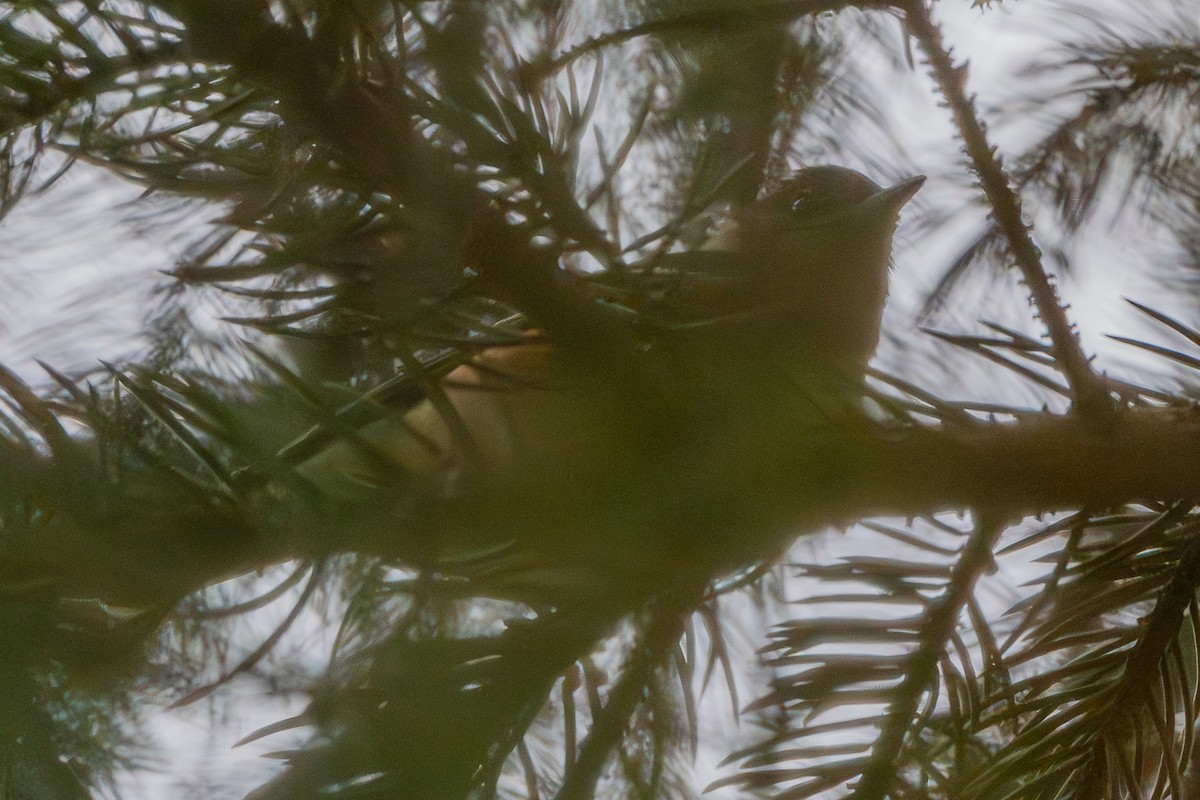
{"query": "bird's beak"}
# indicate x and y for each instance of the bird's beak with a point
(891, 200)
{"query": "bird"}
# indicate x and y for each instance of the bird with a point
(802, 271)
(799, 276)
(769, 326)
(586, 511)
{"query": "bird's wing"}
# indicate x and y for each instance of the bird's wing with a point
(675, 288)
(478, 408)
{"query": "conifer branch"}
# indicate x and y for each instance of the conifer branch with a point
(1090, 396)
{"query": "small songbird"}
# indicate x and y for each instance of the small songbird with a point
(802, 272)
(582, 499)
(800, 276)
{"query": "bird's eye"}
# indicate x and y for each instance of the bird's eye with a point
(803, 202)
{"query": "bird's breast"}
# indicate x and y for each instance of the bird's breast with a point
(823, 298)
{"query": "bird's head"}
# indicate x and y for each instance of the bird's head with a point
(831, 198)
(815, 254)
(801, 271)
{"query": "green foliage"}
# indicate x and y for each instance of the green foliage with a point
(392, 189)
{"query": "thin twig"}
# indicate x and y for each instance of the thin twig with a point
(260, 652)
(921, 672)
(658, 643)
(1087, 391)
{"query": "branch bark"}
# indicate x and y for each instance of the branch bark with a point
(1088, 391)
(712, 510)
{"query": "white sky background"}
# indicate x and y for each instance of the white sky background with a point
(78, 270)
(75, 273)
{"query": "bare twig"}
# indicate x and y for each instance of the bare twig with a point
(1087, 390)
